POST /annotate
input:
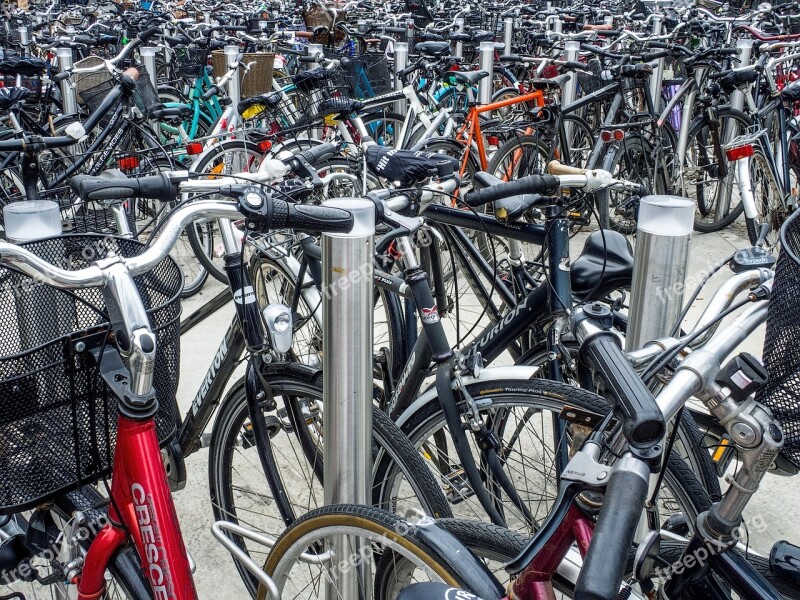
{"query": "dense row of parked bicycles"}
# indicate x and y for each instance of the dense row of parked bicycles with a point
(188, 143)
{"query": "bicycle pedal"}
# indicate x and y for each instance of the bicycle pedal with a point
(457, 489)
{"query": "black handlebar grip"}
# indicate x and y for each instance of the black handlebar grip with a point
(605, 562)
(532, 184)
(156, 187)
(148, 33)
(608, 32)
(234, 28)
(511, 58)
(395, 30)
(319, 152)
(642, 421)
(322, 219)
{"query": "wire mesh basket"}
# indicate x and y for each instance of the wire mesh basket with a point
(190, 62)
(592, 81)
(782, 391)
(58, 418)
(86, 81)
(368, 75)
(145, 96)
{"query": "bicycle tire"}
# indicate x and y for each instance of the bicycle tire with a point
(392, 452)
(767, 197)
(505, 403)
(383, 126)
(695, 188)
(397, 537)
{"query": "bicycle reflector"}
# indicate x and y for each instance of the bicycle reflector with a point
(264, 146)
(616, 135)
(193, 148)
(739, 152)
(128, 163)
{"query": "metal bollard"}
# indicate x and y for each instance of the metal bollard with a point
(608, 20)
(657, 77)
(148, 54)
(69, 103)
(745, 48)
(486, 62)
(234, 88)
(508, 33)
(24, 39)
(572, 49)
(460, 45)
(347, 316)
(659, 269)
(410, 35)
(400, 63)
(315, 50)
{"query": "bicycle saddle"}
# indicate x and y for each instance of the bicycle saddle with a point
(730, 81)
(469, 77)
(436, 49)
(606, 263)
(481, 35)
(10, 96)
(434, 591)
(306, 81)
(26, 66)
(338, 106)
(266, 100)
(406, 166)
(791, 93)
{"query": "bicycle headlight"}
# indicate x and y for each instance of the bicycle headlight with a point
(279, 324)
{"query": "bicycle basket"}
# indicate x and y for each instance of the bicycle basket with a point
(258, 80)
(86, 81)
(58, 418)
(190, 62)
(145, 95)
(782, 391)
(368, 76)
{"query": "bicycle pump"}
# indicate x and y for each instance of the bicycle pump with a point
(347, 342)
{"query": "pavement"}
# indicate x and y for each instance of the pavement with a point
(772, 515)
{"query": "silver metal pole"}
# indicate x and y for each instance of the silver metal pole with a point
(658, 71)
(24, 39)
(315, 50)
(659, 269)
(558, 25)
(400, 63)
(486, 62)
(508, 33)
(745, 48)
(69, 103)
(410, 34)
(148, 54)
(347, 338)
(234, 87)
(572, 48)
(460, 45)
(608, 20)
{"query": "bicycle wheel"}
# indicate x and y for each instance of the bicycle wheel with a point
(293, 455)
(702, 175)
(225, 158)
(42, 574)
(530, 418)
(768, 201)
(384, 126)
(365, 538)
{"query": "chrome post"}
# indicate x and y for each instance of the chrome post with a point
(508, 33)
(315, 50)
(459, 45)
(571, 51)
(24, 39)
(234, 87)
(69, 102)
(658, 68)
(347, 339)
(410, 34)
(400, 63)
(659, 268)
(148, 54)
(486, 62)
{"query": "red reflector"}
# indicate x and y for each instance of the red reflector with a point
(619, 135)
(193, 148)
(126, 163)
(740, 152)
(606, 136)
(493, 140)
(264, 146)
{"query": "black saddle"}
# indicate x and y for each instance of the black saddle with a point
(469, 77)
(605, 264)
(730, 81)
(268, 100)
(436, 49)
(339, 106)
(307, 81)
(481, 35)
(406, 166)
(10, 96)
(434, 591)
(791, 93)
(26, 66)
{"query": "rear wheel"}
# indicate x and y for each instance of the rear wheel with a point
(767, 197)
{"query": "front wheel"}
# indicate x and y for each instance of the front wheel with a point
(767, 198)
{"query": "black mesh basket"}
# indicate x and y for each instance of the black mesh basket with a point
(190, 62)
(781, 358)
(58, 418)
(93, 97)
(145, 95)
(368, 76)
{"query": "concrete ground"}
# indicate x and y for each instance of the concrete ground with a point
(773, 514)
